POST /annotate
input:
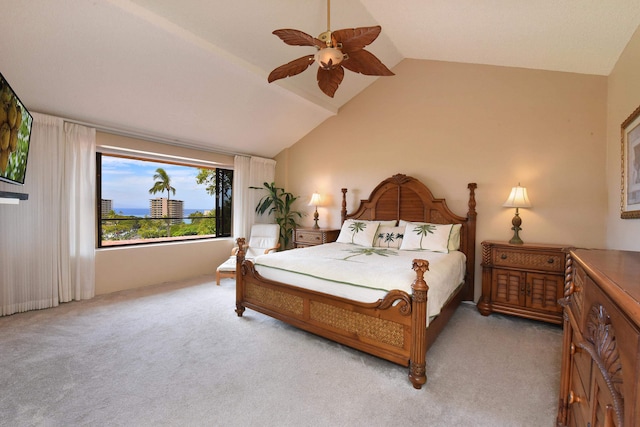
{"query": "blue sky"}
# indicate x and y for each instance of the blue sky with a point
(127, 182)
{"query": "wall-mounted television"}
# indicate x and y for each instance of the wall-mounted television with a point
(15, 134)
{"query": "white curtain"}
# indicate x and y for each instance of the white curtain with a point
(78, 214)
(249, 172)
(47, 250)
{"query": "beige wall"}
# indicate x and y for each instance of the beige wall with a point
(624, 98)
(449, 124)
(136, 266)
(133, 267)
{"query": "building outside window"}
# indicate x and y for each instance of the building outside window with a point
(163, 208)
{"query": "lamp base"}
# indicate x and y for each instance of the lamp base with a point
(516, 240)
(315, 218)
(516, 221)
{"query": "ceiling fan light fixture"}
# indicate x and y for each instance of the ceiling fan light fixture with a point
(329, 57)
(336, 51)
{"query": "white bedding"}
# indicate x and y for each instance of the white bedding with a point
(364, 274)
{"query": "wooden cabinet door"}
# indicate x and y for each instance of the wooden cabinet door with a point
(508, 287)
(544, 291)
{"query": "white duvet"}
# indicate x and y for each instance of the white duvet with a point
(364, 274)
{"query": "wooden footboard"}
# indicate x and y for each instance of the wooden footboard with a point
(393, 328)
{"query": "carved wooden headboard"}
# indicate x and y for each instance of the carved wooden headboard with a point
(404, 197)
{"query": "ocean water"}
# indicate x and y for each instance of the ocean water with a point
(142, 212)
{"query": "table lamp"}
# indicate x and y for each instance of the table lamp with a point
(517, 199)
(315, 201)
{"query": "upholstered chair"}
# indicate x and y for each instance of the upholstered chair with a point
(264, 238)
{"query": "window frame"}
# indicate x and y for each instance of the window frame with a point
(224, 196)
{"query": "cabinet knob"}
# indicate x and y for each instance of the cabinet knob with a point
(550, 261)
(573, 398)
(503, 256)
(573, 349)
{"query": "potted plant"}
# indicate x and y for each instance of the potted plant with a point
(278, 202)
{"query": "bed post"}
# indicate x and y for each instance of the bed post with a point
(343, 212)
(418, 354)
(471, 244)
(239, 277)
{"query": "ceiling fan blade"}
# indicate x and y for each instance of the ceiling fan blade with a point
(329, 80)
(353, 39)
(364, 62)
(298, 38)
(291, 68)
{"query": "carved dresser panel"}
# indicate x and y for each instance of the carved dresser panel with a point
(600, 373)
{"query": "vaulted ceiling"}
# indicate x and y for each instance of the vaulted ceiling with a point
(194, 72)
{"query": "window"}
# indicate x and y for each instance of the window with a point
(150, 201)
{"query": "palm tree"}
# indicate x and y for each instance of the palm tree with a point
(368, 252)
(356, 226)
(163, 183)
(389, 238)
(279, 203)
(422, 231)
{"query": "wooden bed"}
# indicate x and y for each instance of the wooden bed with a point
(393, 328)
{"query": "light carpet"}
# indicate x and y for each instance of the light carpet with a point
(177, 354)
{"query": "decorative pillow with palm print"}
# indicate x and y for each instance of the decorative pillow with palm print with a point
(358, 232)
(425, 236)
(389, 237)
(454, 237)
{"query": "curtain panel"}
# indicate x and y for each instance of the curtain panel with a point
(47, 242)
(249, 172)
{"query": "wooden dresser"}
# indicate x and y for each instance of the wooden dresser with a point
(523, 280)
(600, 373)
(303, 237)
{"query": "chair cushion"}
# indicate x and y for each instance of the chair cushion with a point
(263, 242)
(264, 236)
(228, 265)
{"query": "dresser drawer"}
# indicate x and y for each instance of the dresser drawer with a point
(581, 370)
(535, 260)
(579, 399)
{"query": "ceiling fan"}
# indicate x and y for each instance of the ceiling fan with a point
(337, 50)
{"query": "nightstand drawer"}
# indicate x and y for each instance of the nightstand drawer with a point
(307, 236)
(304, 237)
(546, 261)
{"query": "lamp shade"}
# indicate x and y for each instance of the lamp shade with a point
(315, 200)
(518, 198)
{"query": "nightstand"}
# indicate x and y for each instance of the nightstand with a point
(303, 237)
(523, 280)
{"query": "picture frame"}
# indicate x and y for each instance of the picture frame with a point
(630, 180)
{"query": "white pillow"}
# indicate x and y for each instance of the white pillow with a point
(454, 238)
(358, 232)
(389, 237)
(425, 236)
